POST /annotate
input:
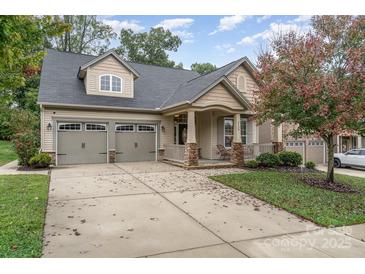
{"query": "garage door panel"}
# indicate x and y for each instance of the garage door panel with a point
(315, 154)
(81, 147)
(135, 146)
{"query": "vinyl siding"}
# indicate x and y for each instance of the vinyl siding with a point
(51, 114)
(218, 95)
(109, 65)
(251, 85)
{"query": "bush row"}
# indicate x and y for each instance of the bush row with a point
(283, 158)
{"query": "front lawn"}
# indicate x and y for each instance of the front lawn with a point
(285, 190)
(7, 153)
(23, 200)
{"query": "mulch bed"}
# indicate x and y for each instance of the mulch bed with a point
(323, 183)
(285, 169)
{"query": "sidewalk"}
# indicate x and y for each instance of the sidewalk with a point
(12, 169)
(345, 171)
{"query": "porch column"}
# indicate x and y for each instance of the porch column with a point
(191, 148)
(359, 143)
(338, 147)
(237, 150)
(278, 139)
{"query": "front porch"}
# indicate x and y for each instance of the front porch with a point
(214, 137)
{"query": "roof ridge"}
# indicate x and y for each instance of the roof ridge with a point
(217, 69)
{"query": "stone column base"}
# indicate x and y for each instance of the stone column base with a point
(112, 156)
(191, 154)
(278, 146)
(237, 154)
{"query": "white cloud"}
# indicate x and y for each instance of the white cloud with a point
(179, 26)
(229, 23)
(228, 48)
(263, 18)
(274, 29)
(119, 25)
(303, 18)
(176, 23)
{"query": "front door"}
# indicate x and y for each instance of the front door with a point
(181, 133)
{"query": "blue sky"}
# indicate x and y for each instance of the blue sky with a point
(215, 39)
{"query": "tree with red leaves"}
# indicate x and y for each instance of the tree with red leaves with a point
(316, 80)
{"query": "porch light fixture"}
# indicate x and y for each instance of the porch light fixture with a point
(163, 128)
(49, 126)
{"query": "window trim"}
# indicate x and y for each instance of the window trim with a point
(151, 125)
(111, 84)
(224, 130)
(99, 124)
(244, 82)
(65, 123)
(133, 125)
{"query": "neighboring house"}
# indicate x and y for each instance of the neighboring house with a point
(104, 109)
(314, 148)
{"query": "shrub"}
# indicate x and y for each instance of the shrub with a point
(40, 160)
(251, 164)
(26, 146)
(290, 158)
(268, 160)
(310, 165)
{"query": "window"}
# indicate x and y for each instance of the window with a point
(95, 127)
(315, 143)
(124, 128)
(244, 131)
(110, 83)
(294, 144)
(146, 128)
(241, 83)
(69, 127)
(228, 132)
(353, 152)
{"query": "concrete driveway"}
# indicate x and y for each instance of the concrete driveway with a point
(152, 209)
(350, 171)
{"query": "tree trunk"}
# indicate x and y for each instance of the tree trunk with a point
(330, 154)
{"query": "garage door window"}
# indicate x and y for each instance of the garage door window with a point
(69, 127)
(315, 143)
(124, 128)
(294, 144)
(95, 127)
(146, 128)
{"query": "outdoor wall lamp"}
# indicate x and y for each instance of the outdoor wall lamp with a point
(49, 126)
(163, 128)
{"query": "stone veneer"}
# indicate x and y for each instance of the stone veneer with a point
(237, 154)
(112, 156)
(191, 154)
(278, 146)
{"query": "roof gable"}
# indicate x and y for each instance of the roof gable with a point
(82, 70)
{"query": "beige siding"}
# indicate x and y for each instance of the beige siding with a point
(49, 114)
(207, 134)
(218, 95)
(250, 83)
(109, 65)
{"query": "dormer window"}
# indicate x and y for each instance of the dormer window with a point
(111, 83)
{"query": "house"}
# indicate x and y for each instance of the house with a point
(314, 149)
(103, 109)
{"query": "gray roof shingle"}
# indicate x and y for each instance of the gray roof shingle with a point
(157, 87)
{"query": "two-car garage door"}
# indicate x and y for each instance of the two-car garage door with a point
(84, 143)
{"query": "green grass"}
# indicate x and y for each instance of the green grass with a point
(7, 153)
(23, 200)
(286, 191)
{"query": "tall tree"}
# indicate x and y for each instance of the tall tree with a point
(22, 40)
(316, 80)
(203, 68)
(148, 47)
(87, 35)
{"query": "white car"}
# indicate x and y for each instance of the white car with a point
(353, 157)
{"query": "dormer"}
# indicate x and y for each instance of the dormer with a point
(108, 75)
